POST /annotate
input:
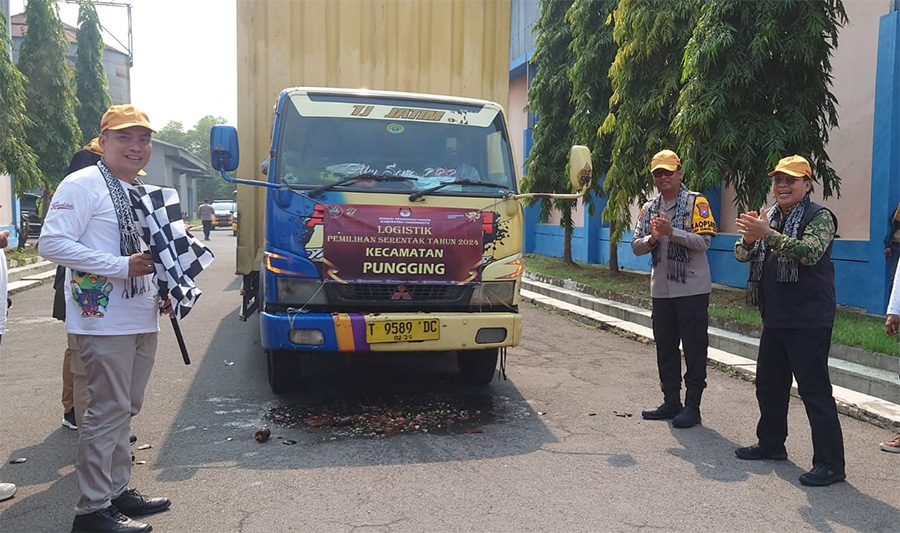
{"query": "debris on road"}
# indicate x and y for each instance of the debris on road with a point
(262, 435)
(379, 416)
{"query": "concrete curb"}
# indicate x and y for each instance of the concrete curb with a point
(852, 403)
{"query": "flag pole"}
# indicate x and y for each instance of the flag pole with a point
(177, 328)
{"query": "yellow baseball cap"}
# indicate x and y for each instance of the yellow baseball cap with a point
(119, 117)
(794, 165)
(666, 159)
(94, 146)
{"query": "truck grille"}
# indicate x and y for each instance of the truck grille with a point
(381, 292)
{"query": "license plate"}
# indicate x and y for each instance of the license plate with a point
(418, 329)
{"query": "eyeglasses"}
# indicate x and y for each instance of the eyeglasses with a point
(777, 179)
(660, 172)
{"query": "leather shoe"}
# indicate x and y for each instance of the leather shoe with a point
(757, 452)
(664, 412)
(133, 503)
(822, 476)
(108, 519)
(687, 418)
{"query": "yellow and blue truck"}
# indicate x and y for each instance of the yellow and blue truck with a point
(383, 220)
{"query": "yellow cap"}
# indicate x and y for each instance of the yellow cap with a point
(666, 159)
(94, 146)
(794, 165)
(119, 117)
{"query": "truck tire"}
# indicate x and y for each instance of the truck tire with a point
(477, 366)
(283, 367)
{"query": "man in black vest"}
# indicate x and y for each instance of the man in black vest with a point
(792, 277)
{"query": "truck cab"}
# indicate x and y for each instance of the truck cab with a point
(391, 224)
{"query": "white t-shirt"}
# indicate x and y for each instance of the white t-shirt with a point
(2, 291)
(81, 232)
(894, 302)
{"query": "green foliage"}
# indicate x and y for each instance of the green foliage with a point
(49, 99)
(16, 157)
(196, 141)
(90, 77)
(757, 77)
(594, 49)
(550, 97)
(646, 79)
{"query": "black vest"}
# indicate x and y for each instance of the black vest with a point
(807, 303)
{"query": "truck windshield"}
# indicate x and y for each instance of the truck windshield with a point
(326, 140)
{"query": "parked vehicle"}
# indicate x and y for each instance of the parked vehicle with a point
(224, 213)
(384, 221)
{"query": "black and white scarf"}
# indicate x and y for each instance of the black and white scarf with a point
(129, 236)
(787, 270)
(677, 256)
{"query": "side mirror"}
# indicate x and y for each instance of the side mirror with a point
(264, 166)
(224, 152)
(580, 167)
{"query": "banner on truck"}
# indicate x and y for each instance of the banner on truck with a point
(390, 244)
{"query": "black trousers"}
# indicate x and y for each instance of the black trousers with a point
(803, 353)
(207, 227)
(683, 320)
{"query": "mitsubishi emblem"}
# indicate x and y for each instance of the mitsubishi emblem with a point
(401, 293)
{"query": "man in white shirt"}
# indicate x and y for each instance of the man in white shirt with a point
(7, 490)
(111, 310)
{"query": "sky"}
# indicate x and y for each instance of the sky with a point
(185, 61)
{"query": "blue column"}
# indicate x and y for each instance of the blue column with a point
(885, 155)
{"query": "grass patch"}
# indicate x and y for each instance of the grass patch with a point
(851, 328)
(21, 254)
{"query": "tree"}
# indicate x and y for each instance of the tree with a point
(196, 141)
(646, 79)
(53, 132)
(594, 51)
(550, 98)
(757, 89)
(90, 76)
(16, 157)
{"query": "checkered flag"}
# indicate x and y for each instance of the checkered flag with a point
(177, 255)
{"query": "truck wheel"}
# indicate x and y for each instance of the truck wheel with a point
(283, 369)
(477, 366)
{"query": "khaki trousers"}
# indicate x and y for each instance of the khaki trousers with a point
(68, 401)
(78, 391)
(117, 369)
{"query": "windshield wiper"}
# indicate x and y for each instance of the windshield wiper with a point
(351, 179)
(418, 194)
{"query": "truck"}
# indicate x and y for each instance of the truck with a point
(382, 220)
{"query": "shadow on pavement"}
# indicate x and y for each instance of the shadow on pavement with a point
(229, 399)
(840, 504)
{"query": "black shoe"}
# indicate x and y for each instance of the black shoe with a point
(69, 419)
(133, 503)
(664, 412)
(687, 418)
(822, 476)
(757, 452)
(108, 519)
(132, 438)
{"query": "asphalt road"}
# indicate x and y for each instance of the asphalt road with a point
(559, 446)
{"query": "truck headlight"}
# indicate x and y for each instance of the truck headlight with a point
(300, 291)
(494, 293)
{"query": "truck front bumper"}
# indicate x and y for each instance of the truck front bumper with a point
(346, 332)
